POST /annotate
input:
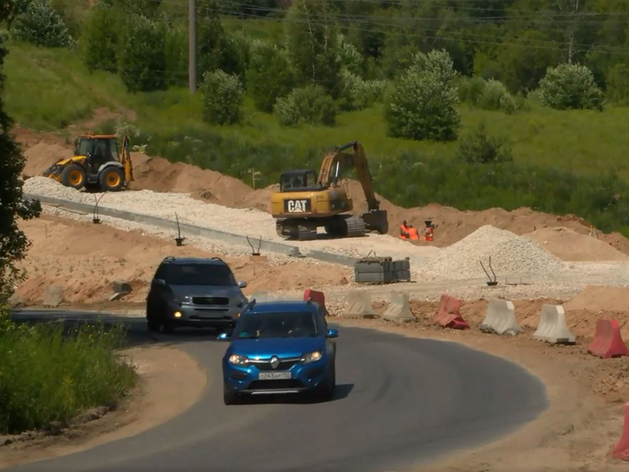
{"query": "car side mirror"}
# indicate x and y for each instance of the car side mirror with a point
(333, 333)
(223, 337)
(161, 282)
(242, 284)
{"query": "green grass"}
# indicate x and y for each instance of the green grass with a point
(46, 375)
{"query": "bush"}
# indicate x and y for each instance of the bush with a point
(270, 76)
(102, 40)
(46, 376)
(222, 98)
(310, 104)
(422, 104)
(357, 94)
(176, 50)
(470, 89)
(570, 86)
(41, 25)
(143, 60)
(478, 147)
(495, 96)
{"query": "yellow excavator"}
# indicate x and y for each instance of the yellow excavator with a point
(305, 202)
(97, 164)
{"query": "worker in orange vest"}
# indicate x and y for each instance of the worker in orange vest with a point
(429, 233)
(408, 231)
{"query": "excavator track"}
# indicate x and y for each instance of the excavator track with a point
(296, 230)
(355, 227)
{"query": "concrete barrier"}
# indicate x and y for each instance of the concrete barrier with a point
(359, 305)
(448, 314)
(54, 296)
(399, 310)
(260, 297)
(500, 318)
(621, 450)
(231, 238)
(318, 298)
(552, 326)
(608, 340)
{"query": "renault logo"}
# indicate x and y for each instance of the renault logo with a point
(275, 362)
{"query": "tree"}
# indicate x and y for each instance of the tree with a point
(143, 60)
(270, 76)
(570, 86)
(480, 148)
(422, 103)
(13, 241)
(41, 25)
(312, 40)
(618, 84)
(102, 39)
(222, 98)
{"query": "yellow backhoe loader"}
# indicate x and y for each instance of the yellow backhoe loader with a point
(305, 202)
(97, 163)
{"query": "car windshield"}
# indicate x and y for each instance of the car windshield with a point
(276, 325)
(197, 274)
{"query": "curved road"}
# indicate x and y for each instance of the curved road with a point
(400, 402)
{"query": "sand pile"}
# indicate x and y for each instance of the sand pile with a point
(569, 245)
(600, 298)
(42, 155)
(510, 255)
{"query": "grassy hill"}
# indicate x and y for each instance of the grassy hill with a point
(48, 89)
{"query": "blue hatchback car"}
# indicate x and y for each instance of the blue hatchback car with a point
(280, 347)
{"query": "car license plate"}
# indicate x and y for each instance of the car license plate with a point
(274, 375)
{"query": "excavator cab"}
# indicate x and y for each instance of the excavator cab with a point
(306, 202)
(298, 180)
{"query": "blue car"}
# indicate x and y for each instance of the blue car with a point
(280, 347)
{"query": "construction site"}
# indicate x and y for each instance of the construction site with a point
(502, 282)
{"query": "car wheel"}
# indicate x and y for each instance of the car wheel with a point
(153, 326)
(169, 327)
(229, 396)
(328, 387)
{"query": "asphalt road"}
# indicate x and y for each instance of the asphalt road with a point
(399, 402)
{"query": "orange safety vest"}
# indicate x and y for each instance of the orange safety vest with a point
(404, 232)
(413, 233)
(428, 235)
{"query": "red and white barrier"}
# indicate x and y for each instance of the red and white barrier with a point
(448, 314)
(621, 451)
(318, 298)
(608, 340)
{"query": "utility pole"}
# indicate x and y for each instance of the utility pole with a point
(192, 47)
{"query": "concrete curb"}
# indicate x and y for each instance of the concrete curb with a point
(231, 238)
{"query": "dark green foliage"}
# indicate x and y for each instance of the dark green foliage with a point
(176, 56)
(13, 242)
(309, 104)
(40, 24)
(479, 147)
(618, 84)
(143, 59)
(269, 77)
(313, 42)
(102, 39)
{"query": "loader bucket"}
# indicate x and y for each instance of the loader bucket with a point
(376, 220)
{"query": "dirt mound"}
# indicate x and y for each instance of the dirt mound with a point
(160, 175)
(85, 260)
(42, 155)
(569, 245)
(600, 298)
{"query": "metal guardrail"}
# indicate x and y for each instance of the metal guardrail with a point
(231, 238)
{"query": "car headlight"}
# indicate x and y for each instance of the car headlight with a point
(311, 357)
(238, 359)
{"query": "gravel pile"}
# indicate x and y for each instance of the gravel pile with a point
(510, 255)
(246, 222)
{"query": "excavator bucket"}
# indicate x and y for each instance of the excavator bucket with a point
(376, 220)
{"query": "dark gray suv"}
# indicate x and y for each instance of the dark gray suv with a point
(194, 292)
